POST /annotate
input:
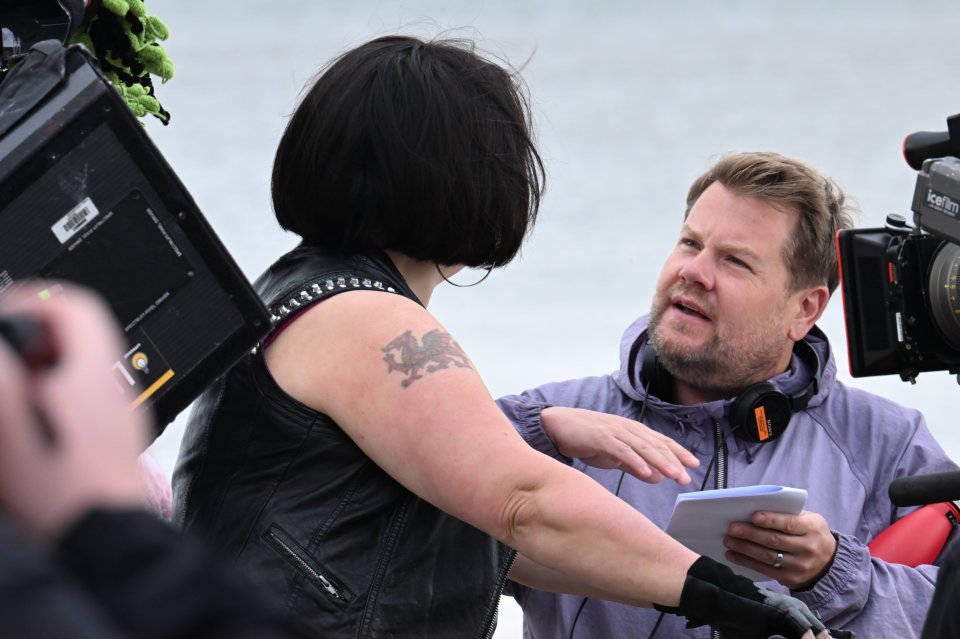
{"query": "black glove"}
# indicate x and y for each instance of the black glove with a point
(713, 594)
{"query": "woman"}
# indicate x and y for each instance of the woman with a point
(355, 463)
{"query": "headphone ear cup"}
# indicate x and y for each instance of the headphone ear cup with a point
(653, 376)
(760, 413)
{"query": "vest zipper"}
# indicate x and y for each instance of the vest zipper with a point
(501, 578)
(323, 581)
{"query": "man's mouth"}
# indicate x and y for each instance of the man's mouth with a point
(689, 309)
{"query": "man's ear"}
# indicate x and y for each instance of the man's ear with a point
(808, 305)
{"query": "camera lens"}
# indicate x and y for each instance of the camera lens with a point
(944, 302)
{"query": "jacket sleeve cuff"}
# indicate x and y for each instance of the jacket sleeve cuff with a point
(526, 420)
(846, 583)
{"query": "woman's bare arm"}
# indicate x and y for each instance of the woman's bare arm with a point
(405, 392)
(399, 385)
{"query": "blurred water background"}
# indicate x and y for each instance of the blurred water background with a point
(632, 100)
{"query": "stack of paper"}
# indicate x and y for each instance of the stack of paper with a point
(700, 519)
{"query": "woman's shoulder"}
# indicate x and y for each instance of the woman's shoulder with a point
(309, 274)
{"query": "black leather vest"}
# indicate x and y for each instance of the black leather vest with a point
(299, 507)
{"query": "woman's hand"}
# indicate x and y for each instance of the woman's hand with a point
(714, 595)
(611, 441)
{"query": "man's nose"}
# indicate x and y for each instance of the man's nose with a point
(699, 270)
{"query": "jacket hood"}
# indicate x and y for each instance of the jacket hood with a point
(789, 382)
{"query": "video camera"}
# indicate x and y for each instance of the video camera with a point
(899, 283)
(86, 197)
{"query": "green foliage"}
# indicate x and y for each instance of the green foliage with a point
(124, 39)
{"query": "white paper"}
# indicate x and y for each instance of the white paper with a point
(700, 519)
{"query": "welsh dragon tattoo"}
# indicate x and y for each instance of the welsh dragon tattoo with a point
(437, 351)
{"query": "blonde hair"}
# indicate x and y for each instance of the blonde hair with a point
(789, 184)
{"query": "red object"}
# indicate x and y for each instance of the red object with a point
(919, 537)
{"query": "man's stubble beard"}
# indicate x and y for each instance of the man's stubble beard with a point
(726, 364)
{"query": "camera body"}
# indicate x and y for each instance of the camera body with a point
(899, 283)
(86, 197)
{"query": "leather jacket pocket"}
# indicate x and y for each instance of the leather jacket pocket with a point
(315, 573)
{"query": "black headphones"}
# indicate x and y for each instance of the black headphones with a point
(760, 412)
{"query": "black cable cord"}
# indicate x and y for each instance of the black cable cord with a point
(616, 493)
(656, 625)
(706, 475)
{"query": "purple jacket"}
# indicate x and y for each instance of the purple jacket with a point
(844, 448)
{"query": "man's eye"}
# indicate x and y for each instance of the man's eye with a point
(738, 262)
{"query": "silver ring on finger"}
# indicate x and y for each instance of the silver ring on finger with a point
(778, 561)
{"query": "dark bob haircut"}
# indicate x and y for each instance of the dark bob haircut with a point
(424, 148)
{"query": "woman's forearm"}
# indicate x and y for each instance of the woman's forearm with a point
(572, 525)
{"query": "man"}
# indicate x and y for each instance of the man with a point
(79, 554)
(735, 307)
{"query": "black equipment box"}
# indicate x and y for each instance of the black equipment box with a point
(85, 196)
